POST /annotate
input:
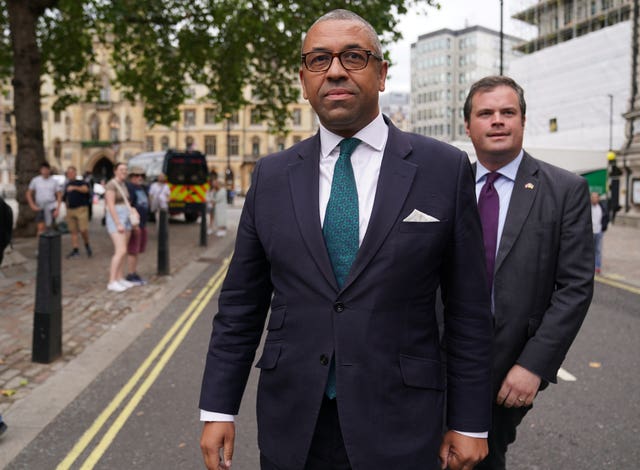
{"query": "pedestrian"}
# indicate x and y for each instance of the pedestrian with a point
(211, 201)
(118, 225)
(599, 222)
(77, 197)
(345, 237)
(159, 193)
(539, 255)
(221, 204)
(6, 226)
(3, 426)
(138, 241)
(44, 197)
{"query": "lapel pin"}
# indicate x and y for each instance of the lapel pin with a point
(528, 186)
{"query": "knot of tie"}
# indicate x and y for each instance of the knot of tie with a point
(492, 177)
(347, 146)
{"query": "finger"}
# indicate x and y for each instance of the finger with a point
(444, 456)
(227, 453)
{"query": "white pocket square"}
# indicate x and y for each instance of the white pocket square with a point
(417, 216)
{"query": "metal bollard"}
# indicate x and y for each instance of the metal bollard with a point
(47, 320)
(163, 243)
(203, 225)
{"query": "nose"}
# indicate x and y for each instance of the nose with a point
(496, 118)
(336, 70)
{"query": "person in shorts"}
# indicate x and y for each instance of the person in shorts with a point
(139, 198)
(77, 197)
(44, 197)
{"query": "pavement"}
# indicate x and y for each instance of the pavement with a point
(93, 315)
(89, 310)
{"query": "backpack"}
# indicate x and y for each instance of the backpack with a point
(6, 226)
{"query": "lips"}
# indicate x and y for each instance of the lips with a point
(338, 93)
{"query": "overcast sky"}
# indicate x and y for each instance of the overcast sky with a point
(453, 14)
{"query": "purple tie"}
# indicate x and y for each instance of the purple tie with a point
(489, 208)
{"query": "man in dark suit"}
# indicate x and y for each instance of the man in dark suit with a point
(347, 247)
(539, 254)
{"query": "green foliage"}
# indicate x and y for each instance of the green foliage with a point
(158, 46)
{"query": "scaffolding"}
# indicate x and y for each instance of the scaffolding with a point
(562, 20)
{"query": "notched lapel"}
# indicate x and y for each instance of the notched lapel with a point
(304, 181)
(525, 190)
(394, 183)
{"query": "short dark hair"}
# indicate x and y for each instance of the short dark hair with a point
(45, 165)
(488, 84)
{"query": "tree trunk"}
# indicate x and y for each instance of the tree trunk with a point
(27, 63)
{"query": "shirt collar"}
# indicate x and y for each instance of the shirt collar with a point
(373, 134)
(508, 171)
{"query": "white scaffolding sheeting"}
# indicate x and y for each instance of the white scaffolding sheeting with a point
(571, 83)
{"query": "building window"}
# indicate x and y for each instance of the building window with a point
(94, 128)
(149, 143)
(210, 115)
(280, 144)
(233, 145)
(255, 147)
(255, 117)
(105, 94)
(128, 128)
(7, 147)
(234, 118)
(164, 143)
(57, 149)
(297, 117)
(553, 125)
(189, 117)
(210, 145)
(189, 143)
(57, 116)
(296, 139)
(114, 129)
(67, 128)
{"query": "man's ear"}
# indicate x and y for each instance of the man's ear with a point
(304, 88)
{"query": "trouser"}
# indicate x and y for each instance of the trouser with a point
(504, 422)
(327, 447)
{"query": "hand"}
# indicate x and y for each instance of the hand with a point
(216, 436)
(458, 452)
(519, 388)
(120, 227)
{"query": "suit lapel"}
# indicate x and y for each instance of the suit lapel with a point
(524, 193)
(394, 183)
(304, 181)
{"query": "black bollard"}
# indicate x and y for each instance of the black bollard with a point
(47, 320)
(163, 243)
(203, 225)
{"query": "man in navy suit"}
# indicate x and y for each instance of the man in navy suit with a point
(351, 372)
(541, 261)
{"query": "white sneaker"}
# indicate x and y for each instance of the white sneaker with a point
(221, 233)
(126, 284)
(115, 286)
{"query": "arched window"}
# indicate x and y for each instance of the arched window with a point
(114, 128)
(128, 128)
(94, 127)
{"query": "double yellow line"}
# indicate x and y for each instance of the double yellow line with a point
(165, 349)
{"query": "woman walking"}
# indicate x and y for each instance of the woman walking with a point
(118, 226)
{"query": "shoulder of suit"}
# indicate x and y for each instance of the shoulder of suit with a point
(555, 172)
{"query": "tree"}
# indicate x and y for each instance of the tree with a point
(156, 47)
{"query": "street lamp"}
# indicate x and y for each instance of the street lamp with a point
(228, 173)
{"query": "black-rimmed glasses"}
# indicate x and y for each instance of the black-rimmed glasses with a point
(350, 59)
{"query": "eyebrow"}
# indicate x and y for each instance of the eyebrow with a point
(348, 46)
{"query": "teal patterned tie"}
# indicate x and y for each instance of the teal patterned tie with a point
(341, 227)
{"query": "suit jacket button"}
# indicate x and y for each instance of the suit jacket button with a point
(338, 307)
(324, 359)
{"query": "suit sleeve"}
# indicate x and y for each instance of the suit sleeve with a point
(468, 322)
(546, 349)
(242, 308)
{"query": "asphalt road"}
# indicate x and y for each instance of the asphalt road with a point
(590, 423)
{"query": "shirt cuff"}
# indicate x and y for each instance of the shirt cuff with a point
(213, 416)
(477, 435)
